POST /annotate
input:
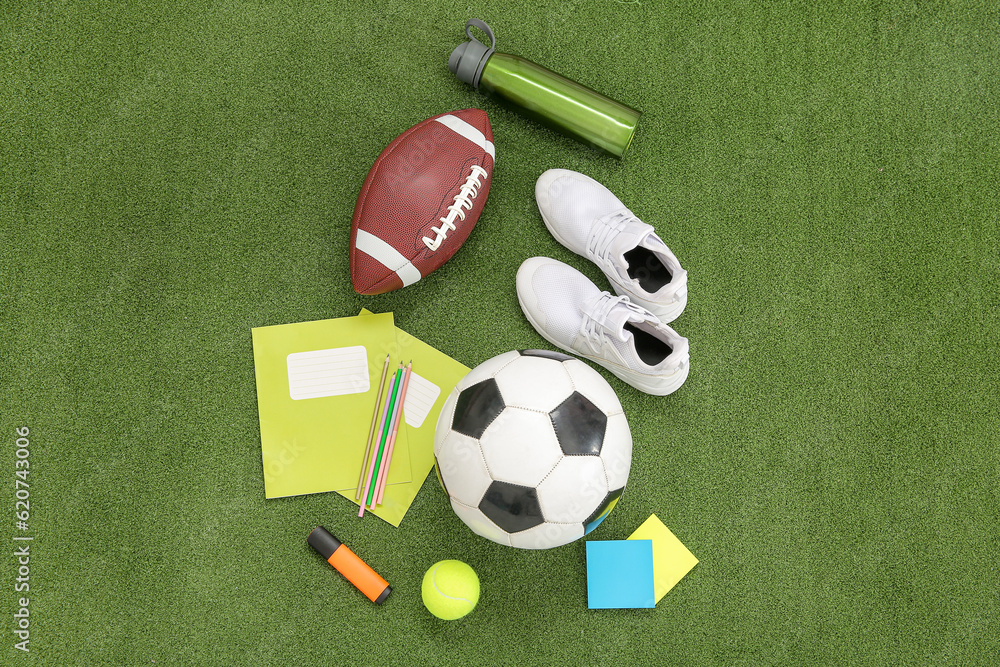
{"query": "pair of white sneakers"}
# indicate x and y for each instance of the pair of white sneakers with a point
(627, 333)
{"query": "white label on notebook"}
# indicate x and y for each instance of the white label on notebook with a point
(342, 370)
(420, 397)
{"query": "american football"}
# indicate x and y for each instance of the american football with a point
(420, 200)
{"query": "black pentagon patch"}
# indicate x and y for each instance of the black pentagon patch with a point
(476, 408)
(545, 354)
(579, 426)
(437, 469)
(602, 511)
(512, 507)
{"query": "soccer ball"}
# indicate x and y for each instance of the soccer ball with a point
(533, 449)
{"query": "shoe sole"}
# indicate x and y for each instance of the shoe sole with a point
(655, 386)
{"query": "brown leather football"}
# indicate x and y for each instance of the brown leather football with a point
(420, 201)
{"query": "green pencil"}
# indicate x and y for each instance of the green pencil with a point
(371, 430)
(381, 447)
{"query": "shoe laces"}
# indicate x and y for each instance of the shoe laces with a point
(606, 230)
(597, 326)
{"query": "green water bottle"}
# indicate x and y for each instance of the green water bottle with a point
(540, 93)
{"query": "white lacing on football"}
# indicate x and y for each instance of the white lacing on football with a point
(463, 200)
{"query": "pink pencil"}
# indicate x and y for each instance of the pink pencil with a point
(371, 468)
(384, 476)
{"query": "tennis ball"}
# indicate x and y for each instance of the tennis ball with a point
(450, 589)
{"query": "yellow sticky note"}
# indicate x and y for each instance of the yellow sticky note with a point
(671, 559)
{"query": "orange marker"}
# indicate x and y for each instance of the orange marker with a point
(348, 564)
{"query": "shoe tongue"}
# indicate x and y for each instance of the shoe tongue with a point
(618, 317)
(625, 343)
(633, 235)
(616, 321)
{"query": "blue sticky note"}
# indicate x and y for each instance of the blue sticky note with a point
(620, 574)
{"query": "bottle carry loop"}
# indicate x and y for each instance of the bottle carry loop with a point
(469, 59)
(482, 25)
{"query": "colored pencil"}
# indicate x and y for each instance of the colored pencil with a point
(371, 429)
(383, 478)
(394, 407)
(366, 501)
(380, 440)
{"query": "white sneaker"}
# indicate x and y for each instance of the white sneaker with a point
(572, 313)
(588, 219)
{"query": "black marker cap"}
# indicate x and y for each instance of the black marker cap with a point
(322, 541)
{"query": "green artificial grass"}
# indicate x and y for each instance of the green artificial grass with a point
(174, 174)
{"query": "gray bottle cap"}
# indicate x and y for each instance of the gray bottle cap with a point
(469, 58)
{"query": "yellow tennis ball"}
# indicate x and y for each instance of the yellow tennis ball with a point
(450, 589)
